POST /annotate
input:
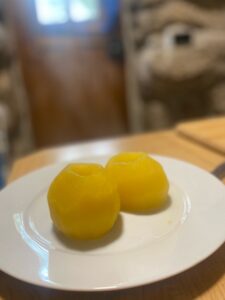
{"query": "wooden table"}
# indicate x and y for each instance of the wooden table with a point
(209, 132)
(204, 281)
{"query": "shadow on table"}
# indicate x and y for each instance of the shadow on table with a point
(185, 286)
(191, 284)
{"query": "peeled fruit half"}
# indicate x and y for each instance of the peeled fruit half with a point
(83, 202)
(141, 181)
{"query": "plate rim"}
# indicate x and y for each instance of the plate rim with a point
(42, 283)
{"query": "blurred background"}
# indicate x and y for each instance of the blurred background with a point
(78, 70)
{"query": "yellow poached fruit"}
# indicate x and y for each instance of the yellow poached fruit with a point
(83, 201)
(141, 181)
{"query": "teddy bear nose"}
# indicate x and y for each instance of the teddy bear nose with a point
(181, 39)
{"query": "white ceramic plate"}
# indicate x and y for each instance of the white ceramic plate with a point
(141, 248)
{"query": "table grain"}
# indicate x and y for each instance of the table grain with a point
(208, 132)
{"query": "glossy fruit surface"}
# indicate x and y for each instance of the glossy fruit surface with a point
(141, 180)
(83, 201)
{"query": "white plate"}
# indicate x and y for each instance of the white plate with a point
(141, 248)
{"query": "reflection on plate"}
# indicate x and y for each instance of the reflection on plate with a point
(141, 248)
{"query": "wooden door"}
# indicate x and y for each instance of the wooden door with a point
(75, 90)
